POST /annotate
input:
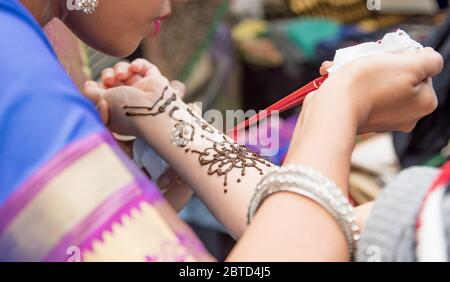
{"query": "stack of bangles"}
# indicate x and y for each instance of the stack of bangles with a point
(309, 183)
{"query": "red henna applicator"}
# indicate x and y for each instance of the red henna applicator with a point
(292, 100)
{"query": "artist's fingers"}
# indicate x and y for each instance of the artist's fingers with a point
(141, 66)
(325, 66)
(424, 63)
(93, 91)
(179, 88)
(431, 61)
(428, 98)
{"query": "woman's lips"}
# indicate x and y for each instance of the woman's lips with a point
(157, 24)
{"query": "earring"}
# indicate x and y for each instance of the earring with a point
(88, 6)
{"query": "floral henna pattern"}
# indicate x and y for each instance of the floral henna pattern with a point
(222, 157)
(182, 134)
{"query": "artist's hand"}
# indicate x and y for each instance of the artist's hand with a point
(389, 92)
(324, 67)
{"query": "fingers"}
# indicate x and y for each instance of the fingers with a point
(141, 66)
(133, 80)
(179, 88)
(431, 61)
(175, 190)
(103, 109)
(108, 77)
(325, 66)
(128, 73)
(424, 63)
(428, 98)
(425, 102)
(93, 91)
(123, 71)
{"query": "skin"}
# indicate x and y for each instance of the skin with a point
(115, 28)
(359, 98)
(318, 137)
(120, 37)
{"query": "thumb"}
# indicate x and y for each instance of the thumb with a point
(93, 91)
(103, 108)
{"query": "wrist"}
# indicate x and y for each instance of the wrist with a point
(332, 112)
(325, 138)
(346, 98)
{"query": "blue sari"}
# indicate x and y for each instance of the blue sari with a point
(67, 191)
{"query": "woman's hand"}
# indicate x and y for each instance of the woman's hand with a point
(140, 74)
(136, 83)
(389, 92)
(111, 103)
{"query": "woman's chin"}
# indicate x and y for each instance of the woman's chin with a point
(117, 49)
(122, 51)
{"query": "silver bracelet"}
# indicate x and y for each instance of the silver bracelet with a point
(311, 184)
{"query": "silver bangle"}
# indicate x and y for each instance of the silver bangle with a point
(311, 184)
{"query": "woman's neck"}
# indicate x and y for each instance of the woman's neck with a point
(43, 10)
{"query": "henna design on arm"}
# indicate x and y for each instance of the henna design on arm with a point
(224, 157)
(221, 156)
(149, 110)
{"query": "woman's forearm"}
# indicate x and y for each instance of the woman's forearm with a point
(223, 174)
(324, 139)
(289, 227)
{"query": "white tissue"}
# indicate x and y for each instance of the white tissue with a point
(145, 157)
(395, 42)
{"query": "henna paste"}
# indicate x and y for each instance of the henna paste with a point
(148, 111)
(182, 134)
(222, 158)
(203, 125)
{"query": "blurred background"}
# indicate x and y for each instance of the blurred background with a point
(248, 54)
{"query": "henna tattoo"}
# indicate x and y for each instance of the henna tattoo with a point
(203, 125)
(182, 134)
(224, 157)
(172, 112)
(148, 110)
